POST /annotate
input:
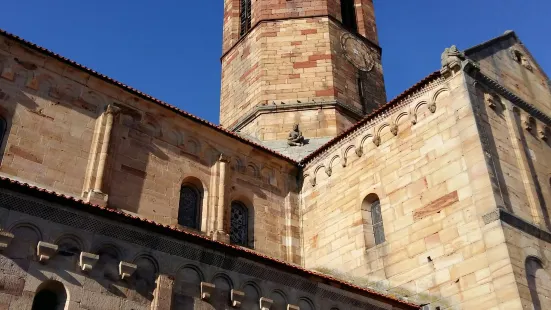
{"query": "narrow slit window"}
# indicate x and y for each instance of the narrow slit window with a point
(245, 17)
(348, 12)
(377, 219)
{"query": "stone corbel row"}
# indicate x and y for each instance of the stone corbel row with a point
(529, 123)
(5, 240)
(237, 297)
(374, 136)
(46, 251)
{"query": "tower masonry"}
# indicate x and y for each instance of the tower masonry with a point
(312, 63)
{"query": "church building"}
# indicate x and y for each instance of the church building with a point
(315, 192)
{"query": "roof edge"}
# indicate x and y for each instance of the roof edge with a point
(152, 226)
(431, 77)
(506, 35)
(138, 93)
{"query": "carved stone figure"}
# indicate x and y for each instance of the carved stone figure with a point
(519, 57)
(451, 58)
(394, 129)
(295, 137)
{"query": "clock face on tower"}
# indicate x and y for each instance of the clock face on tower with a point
(357, 52)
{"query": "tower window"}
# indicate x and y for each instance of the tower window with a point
(348, 13)
(190, 204)
(245, 17)
(239, 230)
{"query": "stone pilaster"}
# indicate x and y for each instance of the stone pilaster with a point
(96, 194)
(220, 234)
(162, 296)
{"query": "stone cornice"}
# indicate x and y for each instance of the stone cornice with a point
(274, 108)
(516, 222)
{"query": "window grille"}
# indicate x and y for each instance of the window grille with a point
(239, 230)
(188, 213)
(348, 12)
(245, 15)
(377, 220)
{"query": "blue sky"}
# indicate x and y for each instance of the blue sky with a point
(171, 49)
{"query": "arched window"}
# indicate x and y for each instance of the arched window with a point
(348, 12)
(373, 221)
(190, 205)
(51, 295)
(239, 230)
(539, 283)
(245, 17)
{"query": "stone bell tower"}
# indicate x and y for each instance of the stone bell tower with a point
(315, 63)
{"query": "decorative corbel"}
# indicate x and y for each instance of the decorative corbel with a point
(5, 240)
(237, 298)
(414, 119)
(394, 129)
(359, 151)
(527, 123)
(207, 289)
(87, 261)
(432, 107)
(313, 181)
(542, 132)
(328, 171)
(126, 270)
(377, 140)
(490, 99)
(265, 303)
(292, 307)
(45, 251)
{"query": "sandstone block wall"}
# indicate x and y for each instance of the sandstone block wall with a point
(522, 76)
(514, 100)
(170, 272)
(431, 176)
(57, 130)
(284, 9)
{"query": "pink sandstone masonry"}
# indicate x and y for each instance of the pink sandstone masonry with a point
(292, 65)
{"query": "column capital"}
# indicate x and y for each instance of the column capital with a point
(111, 109)
(224, 158)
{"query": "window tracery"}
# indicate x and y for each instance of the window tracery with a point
(239, 224)
(188, 213)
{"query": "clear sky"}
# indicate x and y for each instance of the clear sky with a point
(171, 49)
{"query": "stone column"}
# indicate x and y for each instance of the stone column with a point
(96, 195)
(220, 234)
(162, 296)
